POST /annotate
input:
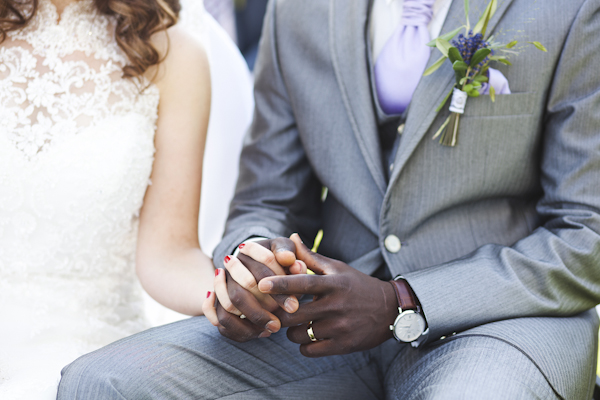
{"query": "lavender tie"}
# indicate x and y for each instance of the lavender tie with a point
(404, 57)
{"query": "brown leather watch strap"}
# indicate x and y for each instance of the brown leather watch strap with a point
(406, 301)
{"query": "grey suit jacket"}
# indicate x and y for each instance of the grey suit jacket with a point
(501, 234)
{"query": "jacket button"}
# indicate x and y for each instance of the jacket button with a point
(392, 244)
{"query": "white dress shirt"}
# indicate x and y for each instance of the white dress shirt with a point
(386, 15)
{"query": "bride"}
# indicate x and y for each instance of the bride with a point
(104, 106)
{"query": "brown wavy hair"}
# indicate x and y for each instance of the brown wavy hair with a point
(137, 21)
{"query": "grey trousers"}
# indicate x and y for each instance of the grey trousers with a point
(191, 360)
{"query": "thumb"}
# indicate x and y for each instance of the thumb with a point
(284, 251)
(315, 262)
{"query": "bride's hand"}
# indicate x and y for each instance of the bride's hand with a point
(238, 295)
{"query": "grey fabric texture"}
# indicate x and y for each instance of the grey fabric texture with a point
(505, 225)
(191, 360)
(500, 235)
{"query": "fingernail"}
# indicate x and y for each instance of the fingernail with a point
(290, 304)
(271, 326)
(264, 334)
(299, 238)
(208, 294)
(217, 271)
(227, 258)
(265, 286)
(241, 246)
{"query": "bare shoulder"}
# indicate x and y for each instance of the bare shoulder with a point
(183, 80)
(184, 59)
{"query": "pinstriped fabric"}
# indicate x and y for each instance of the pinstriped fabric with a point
(556, 350)
(506, 225)
(191, 360)
(468, 367)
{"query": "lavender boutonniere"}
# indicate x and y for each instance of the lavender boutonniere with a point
(470, 54)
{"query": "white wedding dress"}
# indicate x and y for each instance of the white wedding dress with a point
(76, 153)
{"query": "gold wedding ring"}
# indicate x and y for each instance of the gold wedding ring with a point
(310, 332)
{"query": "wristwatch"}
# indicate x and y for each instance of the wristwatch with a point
(410, 324)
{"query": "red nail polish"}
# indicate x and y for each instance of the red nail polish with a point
(227, 258)
(217, 271)
(241, 246)
(208, 294)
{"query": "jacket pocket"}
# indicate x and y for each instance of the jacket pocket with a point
(505, 105)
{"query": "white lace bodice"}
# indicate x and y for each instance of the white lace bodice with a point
(60, 78)
(76, 152)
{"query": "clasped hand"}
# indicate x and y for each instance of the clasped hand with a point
(350, 311)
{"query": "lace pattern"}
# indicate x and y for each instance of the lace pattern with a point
(60, 77)
(76, 153)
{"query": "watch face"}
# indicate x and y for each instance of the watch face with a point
(409, 326)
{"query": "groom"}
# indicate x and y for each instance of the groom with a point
(493, 246)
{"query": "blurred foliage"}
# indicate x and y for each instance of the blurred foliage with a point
(239, 4)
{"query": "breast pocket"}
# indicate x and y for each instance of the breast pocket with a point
(504, 136)
(505, 105)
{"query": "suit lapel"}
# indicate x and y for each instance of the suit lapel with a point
(432, 89)
(348, 23)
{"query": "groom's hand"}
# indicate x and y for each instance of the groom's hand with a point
(238, 295)
(350, 312)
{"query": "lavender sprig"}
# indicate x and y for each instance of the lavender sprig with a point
(470, 54)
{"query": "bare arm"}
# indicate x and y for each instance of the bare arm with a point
(170, 264)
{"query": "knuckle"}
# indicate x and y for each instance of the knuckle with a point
(345, 346)
(258, 317)
(246, 261)
(269, 259)
(340, 282)
(263, 272)
(267, 302)
(306, 283)
(236, 297)
(344, 283)
(286, 319)
(279, 298)
(231, 285)
(280, 285)
(344, 328)
(228, 315)
(264, 243)
(293, 334)
(289, 242)
(295, 338)
(248, 336)
(224, 319)
(307, 351)
(337, 305)
(248, 283)
(229, 308)
(285, 243)
(223, 331)
(243, 337)
(231, 335)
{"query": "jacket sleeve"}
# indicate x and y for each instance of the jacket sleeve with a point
(555, 271)
(277, 193)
